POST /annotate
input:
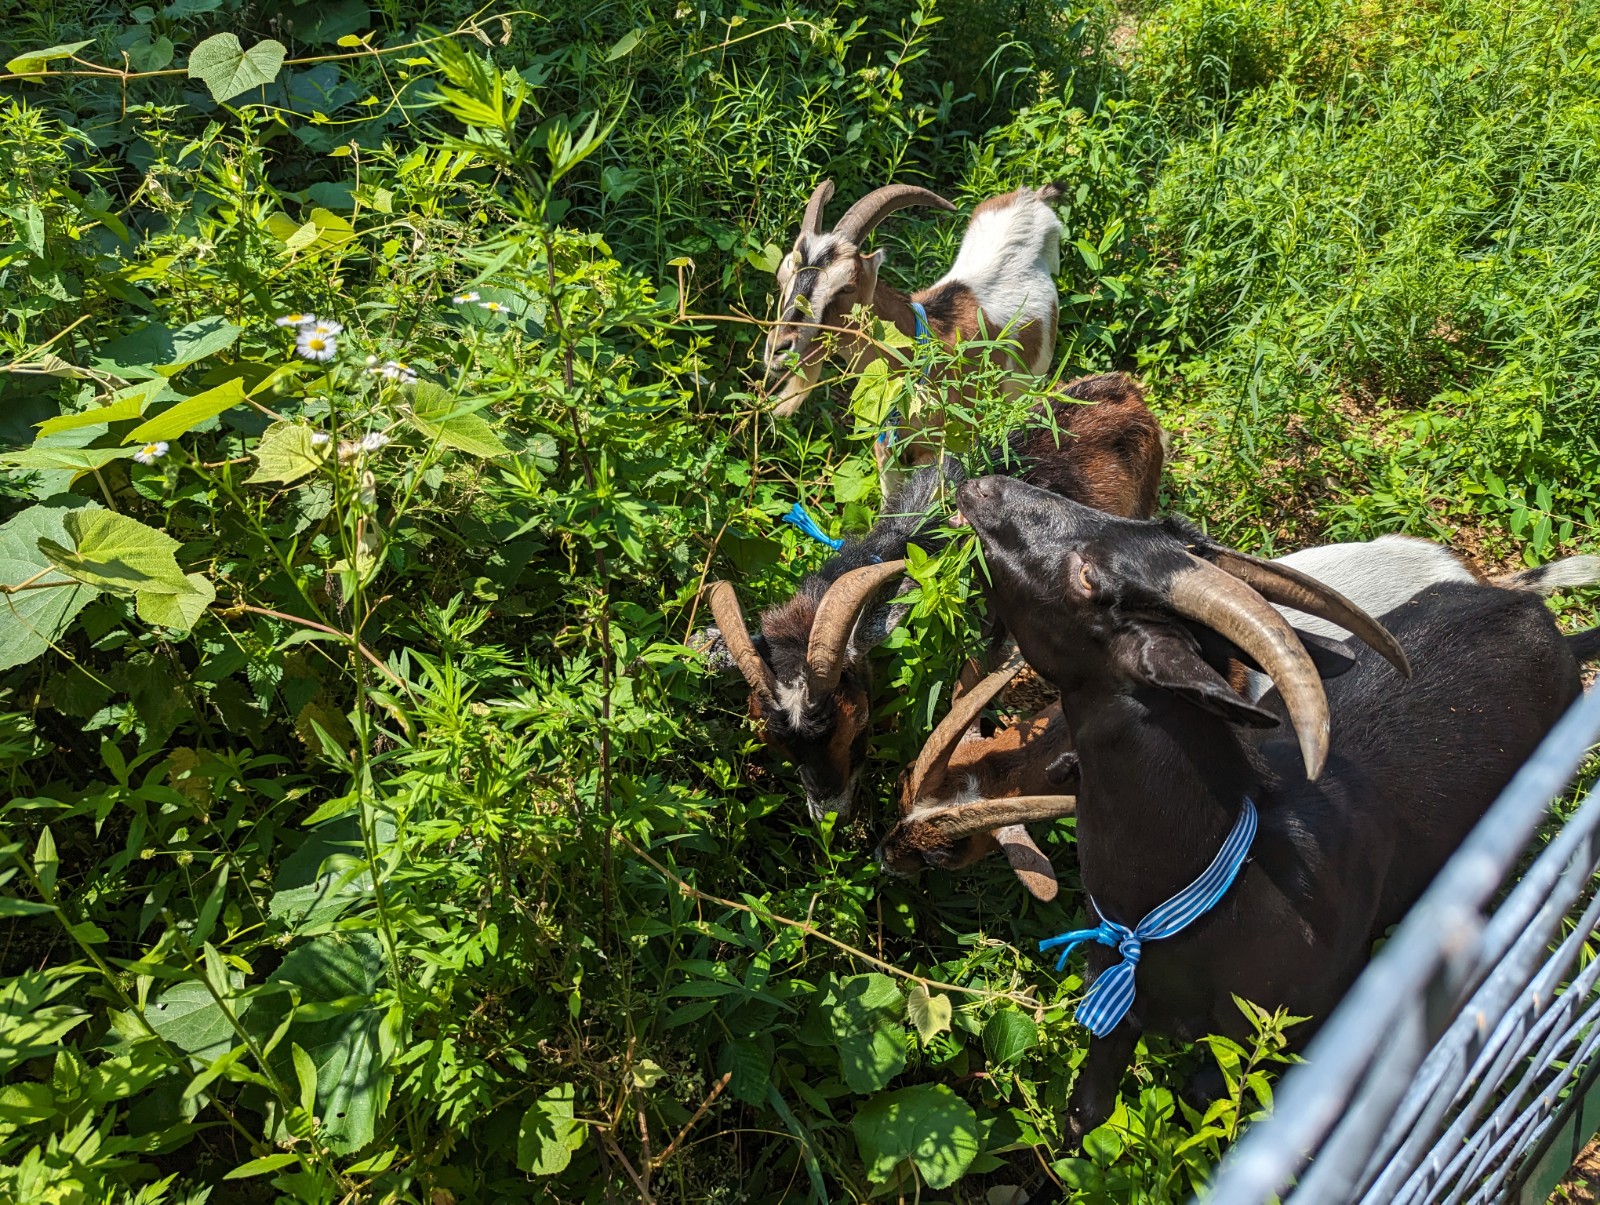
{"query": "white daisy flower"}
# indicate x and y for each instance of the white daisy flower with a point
(373, 440)
(295, 319)
(319, 439)
(494, 307)
(151, 453)
(394, 370)
(311, 346)
(463, 298)
(326, 327)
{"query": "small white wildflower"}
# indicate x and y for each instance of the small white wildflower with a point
(348, 449)
(372, 361)
(395, 370)
(319, 439)
(494, 307)
(312, 346)
(373, 440)
(295, 319)
(325, 327)
(463, 298)
(408, 375)
(151, 453)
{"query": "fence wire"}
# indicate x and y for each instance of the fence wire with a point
(1462, 1065)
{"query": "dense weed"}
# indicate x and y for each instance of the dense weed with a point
(372, 832)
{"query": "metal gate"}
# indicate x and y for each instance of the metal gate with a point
(1462, 1065)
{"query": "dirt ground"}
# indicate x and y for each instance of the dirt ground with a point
(1582, 1185)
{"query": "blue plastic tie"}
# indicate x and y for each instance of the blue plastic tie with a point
(1111, 994)
(800, 518)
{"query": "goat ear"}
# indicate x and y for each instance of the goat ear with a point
(1331, 657)
(1033, 869)
(1170, 659)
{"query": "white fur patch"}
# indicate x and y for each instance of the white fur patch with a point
(1008, 258)
(792, 699)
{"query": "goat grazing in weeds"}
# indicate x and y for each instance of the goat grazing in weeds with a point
(963, 780)
(808, 667)
(1386, 776)
(1001, 282)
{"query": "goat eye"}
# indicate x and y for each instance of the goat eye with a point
(1080, 577)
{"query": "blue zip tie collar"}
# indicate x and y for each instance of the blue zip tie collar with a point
(1111, 995)
(800, 519)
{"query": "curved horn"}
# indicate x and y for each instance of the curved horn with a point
(948, 732)
(964, 819)
(730, 621)
(1229, 607)
(812, 222)
(836, 618)
(860, 218)
(1288, 587)
(1028, 861)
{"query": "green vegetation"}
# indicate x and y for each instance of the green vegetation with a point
(372, 834)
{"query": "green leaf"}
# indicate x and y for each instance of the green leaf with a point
(305, 1074)
(117, 553)
(35, 619)
(928, 1014)
(751, 1065)
(125, 404)
(228, 69)
(189, 413)
(1008, 1036)
(261, 1166)
(434, 412)
(27, 1103)
(864, 1020)
(547, 1134)
(32, 62)
(178, 611)
(625, 45)
(49, 458)
(285, 454)
(198, 340)
(928, 1124)
(191, 1020)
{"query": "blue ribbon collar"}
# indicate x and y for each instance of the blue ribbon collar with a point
(800, 518)
(1111, 995)
(920, 334)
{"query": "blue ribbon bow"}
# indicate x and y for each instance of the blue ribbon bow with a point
(1111, 994)
(799, 517)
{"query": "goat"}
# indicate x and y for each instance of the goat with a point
(1111, 612)
(1003, 279)
(963, 781)
(808, 668)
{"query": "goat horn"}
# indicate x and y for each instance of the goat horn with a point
(948, 732)
(865, 214)
(1032, 868)
(812, 222)
(730, 621)
(1288, 587)
(986, 815)
(836, 618)
(1228, 606)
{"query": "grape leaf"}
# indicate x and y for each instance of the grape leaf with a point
(227, 68)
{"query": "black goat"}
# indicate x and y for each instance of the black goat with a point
(1125, 619)
(807, 668)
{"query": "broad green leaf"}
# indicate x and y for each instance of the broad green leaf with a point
(305, 1073)
(81, 460)
(189, 413)
(178, 611)
(929, 1014)
(117, 553)
(864, 1019)
(322, 229)
(125, 403)
(928, 1124)
(27, 1103)
(625, 45)
(32, 62)
(228, 69)
(1008, 1036)
(285, 454)
(198, 340)
(191, 1020)
(547, 1134)
(261, 1166)
(433, 412)
(751, 1065)
(352, 1080)
(35, 619)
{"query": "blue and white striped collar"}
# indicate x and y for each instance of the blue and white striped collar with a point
(1111, 995)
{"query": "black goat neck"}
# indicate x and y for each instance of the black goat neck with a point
(1162, 783)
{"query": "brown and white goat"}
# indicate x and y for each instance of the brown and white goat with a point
(807, 665)
(970, 794)
(1003, 281)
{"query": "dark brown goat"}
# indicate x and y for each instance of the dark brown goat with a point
(807, 667)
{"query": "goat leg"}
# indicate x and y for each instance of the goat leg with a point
(1094, 1096)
